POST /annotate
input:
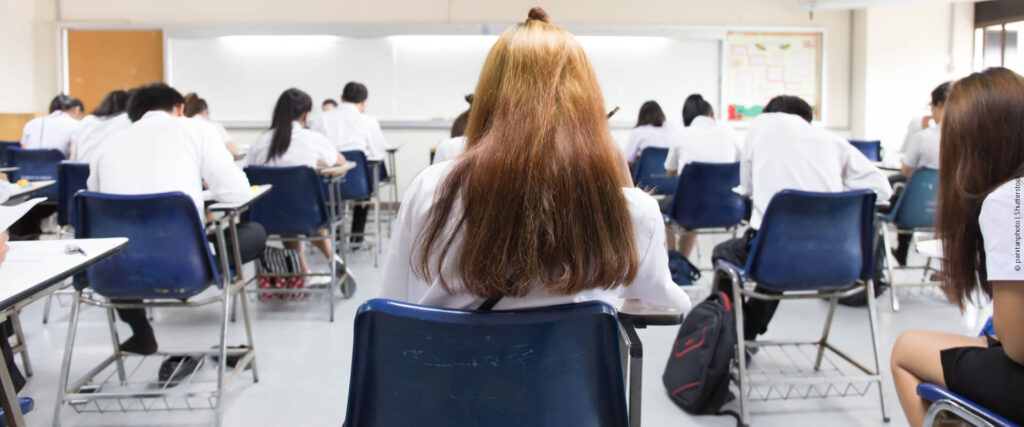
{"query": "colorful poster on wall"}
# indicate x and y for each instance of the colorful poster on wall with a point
(760, 66)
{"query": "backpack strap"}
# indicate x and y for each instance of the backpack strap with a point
(489, 304)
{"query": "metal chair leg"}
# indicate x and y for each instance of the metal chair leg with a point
(873, 321)
(741, 349)
(65, 366)
(887, 248)
(824, 335)
(117, 347)
(46, 308)
(248, 333)
(22, 344)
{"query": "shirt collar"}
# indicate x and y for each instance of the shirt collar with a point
(702, 121)
(57, 113)
(349, 107)
(156, 113)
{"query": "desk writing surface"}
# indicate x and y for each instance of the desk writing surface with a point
(337, 170)
(33, 266)
(258, 192)
(32, 187)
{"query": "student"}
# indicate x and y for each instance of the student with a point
(328, 105)
(452, 147)
(348, 127)
(189, 154)
(197, 109)
(56, 129)
(783, 151)
(980, 178)
(567, 234)
(289, 143)
(106, 120)
(648, 132)
(701, 140)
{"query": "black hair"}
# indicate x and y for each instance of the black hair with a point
(113, 104)
(694, 107)
(329, 101)
(460, 123)
(354, 92)
(650, 114)
(790, 105)
(291, 106)
(64, 102)
(939, 94)
(156, 96)
(194, 105)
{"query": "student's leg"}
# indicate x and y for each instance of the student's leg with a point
(323, 244)
(142, 341)
(18, 380)
(756, 313)
(915, 359)
(670, 239)
(30, 226)
(252, 238)
(297, 246)
(359, 214)
(686, 244)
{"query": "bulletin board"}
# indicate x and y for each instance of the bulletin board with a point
(761, 65)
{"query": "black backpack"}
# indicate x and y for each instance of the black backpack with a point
(697, 373)
(684, 273)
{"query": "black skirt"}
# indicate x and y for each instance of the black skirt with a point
(987, 377)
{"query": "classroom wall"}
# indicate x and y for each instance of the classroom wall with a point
(28, 55)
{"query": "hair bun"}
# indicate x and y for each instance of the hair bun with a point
(539, 14)
(469, 99)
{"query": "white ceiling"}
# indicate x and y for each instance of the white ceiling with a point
(812, 5)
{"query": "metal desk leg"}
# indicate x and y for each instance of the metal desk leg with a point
(12, 411)
(636, 358)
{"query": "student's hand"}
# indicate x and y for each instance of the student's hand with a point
(925, 121)
(3, 247)
(3, 177)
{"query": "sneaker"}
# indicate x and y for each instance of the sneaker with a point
(339, 265)
(176, 368)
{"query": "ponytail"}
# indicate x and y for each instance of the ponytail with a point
(291, 105)
(694, 107)
(194, 104)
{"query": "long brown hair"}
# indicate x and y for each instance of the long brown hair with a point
(982, 147)
(540, 185)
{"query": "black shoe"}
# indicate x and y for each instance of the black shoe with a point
(144, 344)
(902, 261)
(176, 368)
(231, 361)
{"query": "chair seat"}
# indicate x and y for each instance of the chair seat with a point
(934, 393)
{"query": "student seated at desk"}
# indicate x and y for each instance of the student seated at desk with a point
(189, 153)
(452, 147)
(702, 139)
(980, 181)
(328, 105)
(783, 151)
(348, 127)
(648, 132)
(289, 143)
(56, 129)
(108, 119)
(197, 109)
(540, 209)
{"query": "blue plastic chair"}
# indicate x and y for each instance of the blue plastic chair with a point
(649, 172)
(946, 402)
(4, 145)
(358, 190)
(809, 246)
(871, 149)
(71, 177)
(704, 197)
(156, 226)
(914, 211)
(551, 366)
(36, 165)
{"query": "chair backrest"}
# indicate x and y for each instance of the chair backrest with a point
(71, 177)
(811, 241)
(167, 255)
(359, 179)
(916, 206)
(704, 197)
(296, 206)
(934, 393)
(553, 366)
(36, 165)
(4, 145)
(871, 149)
(649, 172)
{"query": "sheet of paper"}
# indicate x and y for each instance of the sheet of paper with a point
(35, 253)
(10, 214)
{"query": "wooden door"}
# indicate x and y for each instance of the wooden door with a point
(102, 61)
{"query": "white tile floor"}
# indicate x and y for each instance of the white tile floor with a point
(304, 360)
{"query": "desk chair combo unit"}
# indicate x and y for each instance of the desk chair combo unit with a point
(649, 172)
(912, 215)
(361, 188)
(71, 178)
(297, 213)
(156, 225)
(4, 145)
(553, 366)
(810, 246)
(389, 179)
(871, 149)
(704, 203)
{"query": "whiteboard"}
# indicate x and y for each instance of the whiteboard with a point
(422, 78)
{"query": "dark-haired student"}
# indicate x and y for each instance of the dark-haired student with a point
(328, 105)
(980, 180)
(189, 153)
(56, 129)
(648, 132)
(108, 119)
(349, 128)
(197, 109)
(784, 152)
(702, 139)
(289, 143)
(456, 144)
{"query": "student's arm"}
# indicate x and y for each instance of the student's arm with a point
(653, 284)
(325, 153)
(1008, 317)
(231, 146)
(226, 181)
(746, 167)
(26, 133)
(3, 247)
(632, 145)
(672, 159)
(397, 273)
(860, 173)
(912, 155)
(378, 145)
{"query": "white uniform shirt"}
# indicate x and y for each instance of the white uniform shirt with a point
(653, 283)
(923, 149)
(999, 221)
(305, 149)
(648, 136)
(705, 140)
(348, 129)
(912, 128)
(217, 127)
(92, 134)
(52, 131)
(784, 152)
(449, 149)
(160, 153)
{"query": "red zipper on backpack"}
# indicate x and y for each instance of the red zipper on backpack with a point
(703, 335)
